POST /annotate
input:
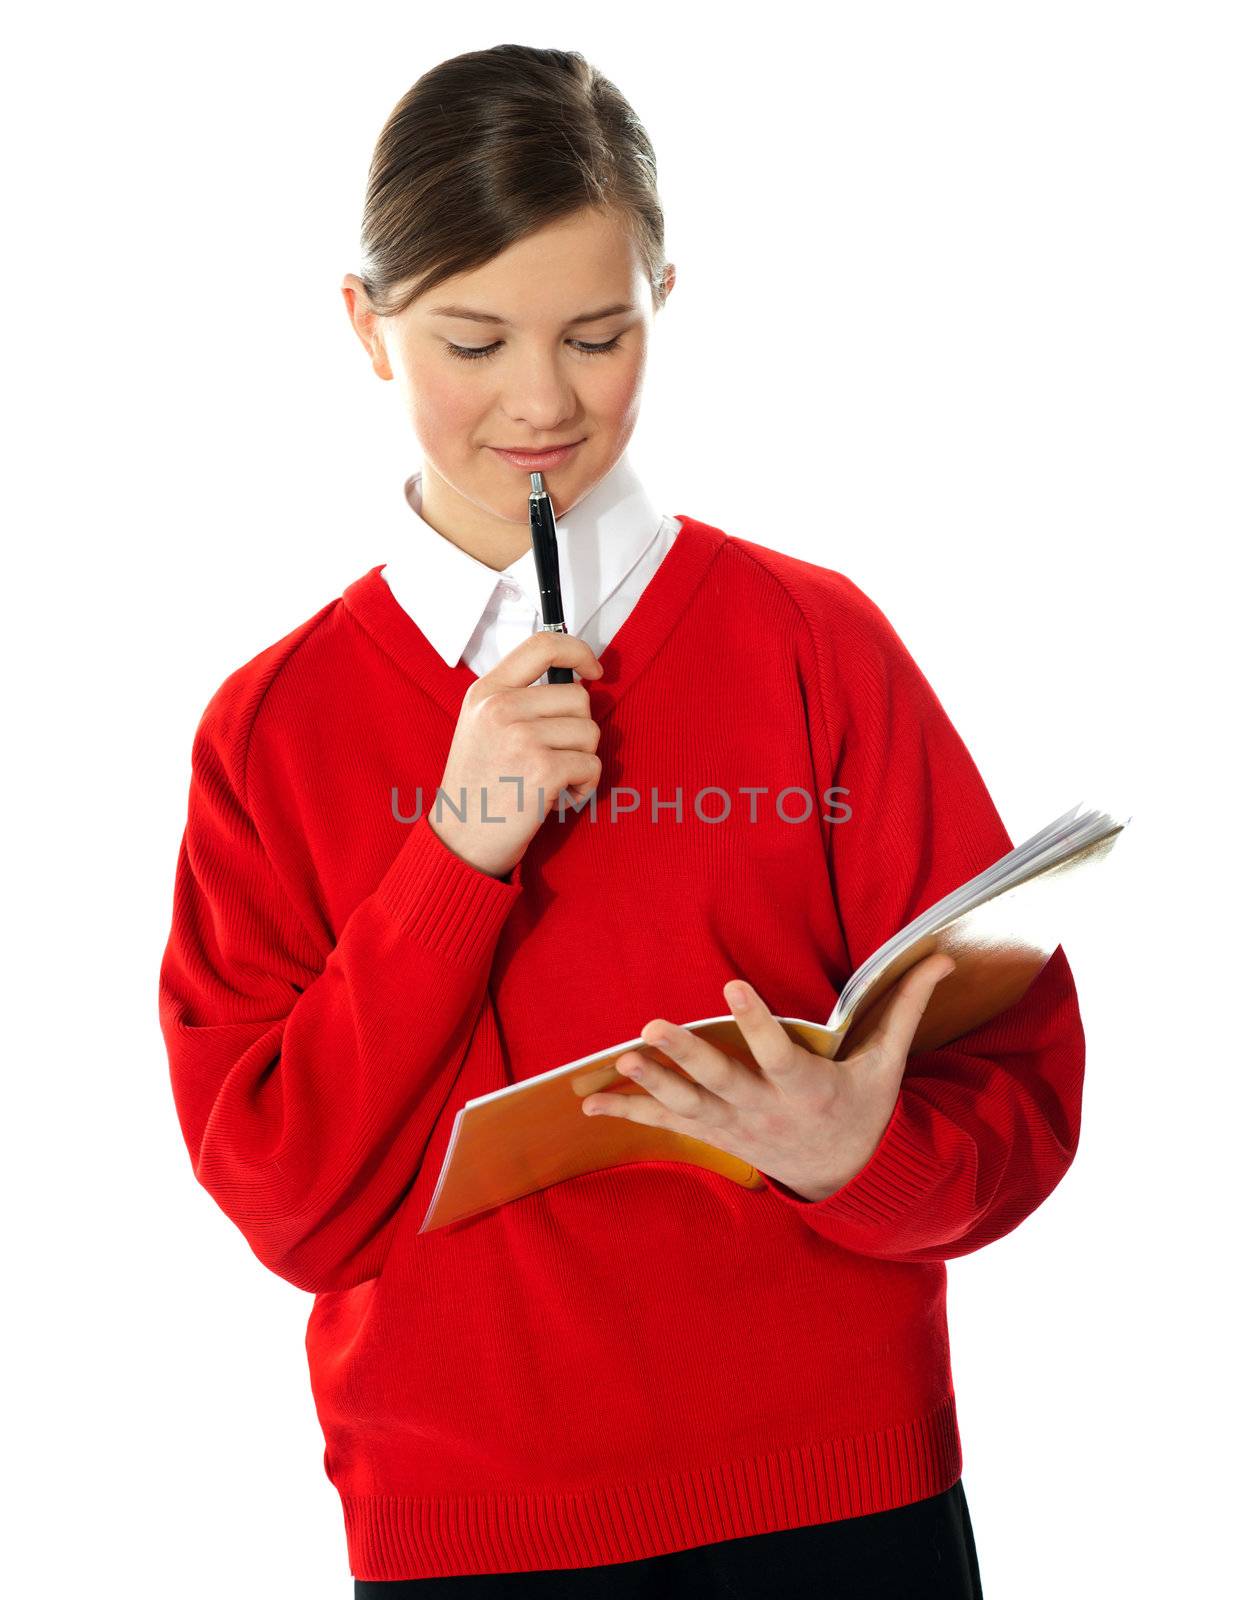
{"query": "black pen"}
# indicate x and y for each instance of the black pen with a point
(545, 554)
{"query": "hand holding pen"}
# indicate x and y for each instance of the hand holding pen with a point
(510, 724)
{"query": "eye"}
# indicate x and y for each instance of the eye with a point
(464, 352)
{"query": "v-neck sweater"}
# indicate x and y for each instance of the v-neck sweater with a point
(649, 1357)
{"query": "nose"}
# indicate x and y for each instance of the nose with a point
(540, 397)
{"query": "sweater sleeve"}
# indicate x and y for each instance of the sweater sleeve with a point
(984, 1128)
(307, 1080)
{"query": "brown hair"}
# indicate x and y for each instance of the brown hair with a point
(486, 148)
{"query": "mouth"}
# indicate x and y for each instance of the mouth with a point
(537, 460)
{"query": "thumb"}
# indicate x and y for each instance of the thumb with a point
(910, 997)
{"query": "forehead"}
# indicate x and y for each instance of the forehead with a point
(577, 264)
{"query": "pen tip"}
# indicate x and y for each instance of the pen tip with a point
(538, 483)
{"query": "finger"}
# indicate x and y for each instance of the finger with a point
(538, 702)
(897, 1027)
(775, 1052)
(521, 667)
(719, 1077)
(635, 1107)
(684, 1096)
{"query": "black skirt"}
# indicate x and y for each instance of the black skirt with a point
(921, 1551)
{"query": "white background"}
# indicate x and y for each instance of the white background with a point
(954, 315)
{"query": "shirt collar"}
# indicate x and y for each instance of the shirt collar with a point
(447, 592)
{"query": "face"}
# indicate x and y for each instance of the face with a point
(531, 368)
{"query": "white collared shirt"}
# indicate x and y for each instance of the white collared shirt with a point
(609, 545)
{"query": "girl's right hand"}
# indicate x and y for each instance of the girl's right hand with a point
(512, 726)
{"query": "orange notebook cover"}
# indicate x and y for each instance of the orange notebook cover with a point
(1000, 928)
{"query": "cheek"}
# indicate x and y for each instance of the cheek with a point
(614, 393)
(443, 406)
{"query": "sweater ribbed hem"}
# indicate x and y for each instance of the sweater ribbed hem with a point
(393, 1536)
(444, 901)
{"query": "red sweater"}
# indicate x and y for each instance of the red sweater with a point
(648, 1358)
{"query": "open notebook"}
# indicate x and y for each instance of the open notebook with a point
(1000, 928)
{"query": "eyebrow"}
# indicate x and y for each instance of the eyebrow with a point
(467, 315)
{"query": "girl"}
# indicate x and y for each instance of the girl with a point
(644, 1377)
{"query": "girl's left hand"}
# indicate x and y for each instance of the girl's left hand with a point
(809, 1122)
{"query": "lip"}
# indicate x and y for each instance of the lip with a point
(537, 460)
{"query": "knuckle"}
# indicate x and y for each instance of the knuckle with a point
(700, 1103)
(785, 1055)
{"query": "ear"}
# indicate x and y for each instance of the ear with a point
(667, 282)
(366, 323)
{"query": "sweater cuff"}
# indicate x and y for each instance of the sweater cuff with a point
(444, 901)
(898, 1175)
